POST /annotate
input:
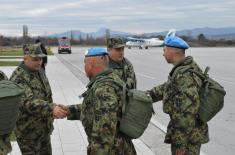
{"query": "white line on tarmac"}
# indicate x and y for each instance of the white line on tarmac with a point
(226, 81)
(150, 77)
(73, 65)
(158, 125)
(164, 129)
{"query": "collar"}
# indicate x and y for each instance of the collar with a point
(100, 75)
(184, 62)
(114, 64)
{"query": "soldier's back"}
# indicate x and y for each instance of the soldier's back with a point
(103, 101)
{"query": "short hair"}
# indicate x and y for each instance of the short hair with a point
(37, 41)
(177, 50)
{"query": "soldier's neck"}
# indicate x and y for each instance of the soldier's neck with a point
(177, 59)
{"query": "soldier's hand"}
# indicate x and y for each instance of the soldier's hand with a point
(59, 112)
(64, 107)
(181, 152)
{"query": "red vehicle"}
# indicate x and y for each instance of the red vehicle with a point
(64, 45)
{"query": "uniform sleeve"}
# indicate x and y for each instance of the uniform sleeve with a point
(32, 105)
(3, 76)
(157, 92)
(75, 111)
(187, 105)
(130, 76)
(105, 121)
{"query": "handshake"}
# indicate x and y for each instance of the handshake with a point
(60, 111)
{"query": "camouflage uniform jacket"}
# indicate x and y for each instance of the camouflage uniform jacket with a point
(99, 114)
(181, 101)
(5, 144)
(125, 71)
(36, 111)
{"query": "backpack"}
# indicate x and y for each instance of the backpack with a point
(211, 94)
(137, 110)
(10, 97)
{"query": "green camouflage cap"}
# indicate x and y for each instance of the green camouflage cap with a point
(115, 43)
(33, 50)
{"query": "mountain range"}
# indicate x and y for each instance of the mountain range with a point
(227, 33)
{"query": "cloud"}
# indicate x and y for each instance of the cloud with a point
(124, 15)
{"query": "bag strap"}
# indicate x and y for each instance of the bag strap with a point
(204, 77)
(201, 75)
(181, 69)
(124, 89)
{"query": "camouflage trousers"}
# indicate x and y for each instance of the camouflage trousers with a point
(190, 149)
(35, 147)
(122, 146)
(5, 144)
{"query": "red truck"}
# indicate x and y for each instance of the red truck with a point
(64, 45)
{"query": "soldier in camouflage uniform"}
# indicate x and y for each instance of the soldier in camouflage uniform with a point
(37, 111)
(44, 50)
(101, 107)
(5, 144)
(181, 101)
(121, 65)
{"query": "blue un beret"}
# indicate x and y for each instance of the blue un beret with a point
(174, 41)
(97, 51)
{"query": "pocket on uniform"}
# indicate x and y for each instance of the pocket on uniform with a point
(179, 137)
(199, 135)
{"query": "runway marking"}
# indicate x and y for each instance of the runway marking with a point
(81, 70)
(226, 81)
(149, 77)
(164, 129)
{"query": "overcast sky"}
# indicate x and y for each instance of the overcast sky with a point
(52, 16)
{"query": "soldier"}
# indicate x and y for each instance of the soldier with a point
(121, 65)
(101, 107)
(37, 111)
(185, 132)
(5, 144)
(44, 50)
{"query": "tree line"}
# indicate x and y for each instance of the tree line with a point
(200, 41)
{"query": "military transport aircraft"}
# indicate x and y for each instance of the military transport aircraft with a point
(143, 43)
(146, 43)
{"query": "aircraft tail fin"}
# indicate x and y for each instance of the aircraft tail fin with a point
(171, 32)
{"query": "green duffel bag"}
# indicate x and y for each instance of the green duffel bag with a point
(137, 110)
(136, 113)
(10, 97)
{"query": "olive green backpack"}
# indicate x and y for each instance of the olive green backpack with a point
(137, 110)
(10, 96)
(211, 94)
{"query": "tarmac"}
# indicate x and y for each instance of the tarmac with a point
(67, 80)
(68, 137)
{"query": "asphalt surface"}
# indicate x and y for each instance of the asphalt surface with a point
(152, 70)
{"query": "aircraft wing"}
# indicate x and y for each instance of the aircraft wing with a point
(135, 39)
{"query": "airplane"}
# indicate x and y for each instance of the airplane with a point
(143, 43)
